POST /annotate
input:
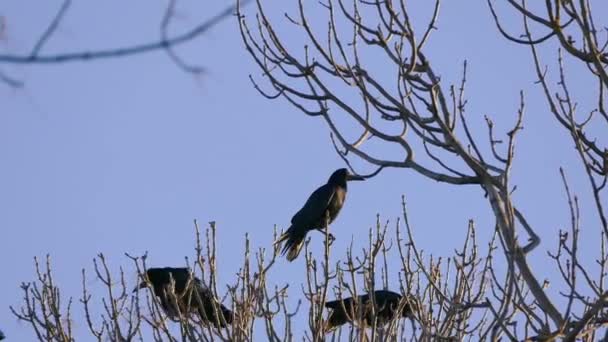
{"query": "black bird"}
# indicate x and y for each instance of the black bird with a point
(387, 303)
(190, 294)
(325, 203)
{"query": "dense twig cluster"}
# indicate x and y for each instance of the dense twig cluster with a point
(442, 295)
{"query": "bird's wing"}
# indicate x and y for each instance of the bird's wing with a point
(315, 207)
(337, 304)
(384, 296)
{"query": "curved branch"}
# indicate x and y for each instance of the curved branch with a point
(123, 51)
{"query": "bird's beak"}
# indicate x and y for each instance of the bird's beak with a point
(140, 286)
(354, 178)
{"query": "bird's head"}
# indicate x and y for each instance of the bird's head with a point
(159, 277)
(341, 176)
(151, 277)
(141, 285)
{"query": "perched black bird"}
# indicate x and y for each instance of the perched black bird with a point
(325, 203)
(2, 335)
(190, 294)
(359, 309)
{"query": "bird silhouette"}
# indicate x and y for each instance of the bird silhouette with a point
(361, 309)
(190, 294)
(321, 208)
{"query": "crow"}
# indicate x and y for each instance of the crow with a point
(359, 309)
(321, 208)
(190, 295)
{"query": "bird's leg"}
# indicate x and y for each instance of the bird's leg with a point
(332, 238)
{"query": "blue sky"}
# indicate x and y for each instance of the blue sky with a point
(121, 155)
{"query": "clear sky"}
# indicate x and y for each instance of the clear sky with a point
(121, 155)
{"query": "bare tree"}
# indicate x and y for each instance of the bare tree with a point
(328, 75)
(573, 24)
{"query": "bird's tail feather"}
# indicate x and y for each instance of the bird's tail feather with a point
(294, 241)
(328, 326)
